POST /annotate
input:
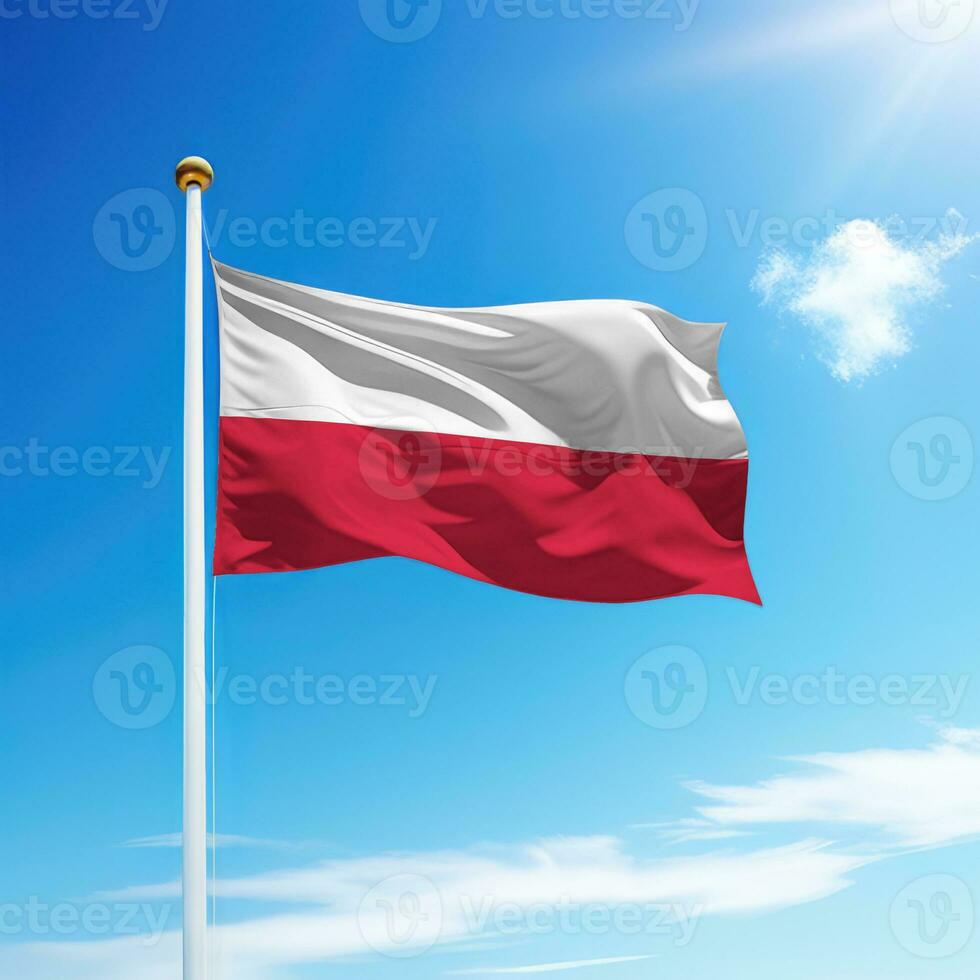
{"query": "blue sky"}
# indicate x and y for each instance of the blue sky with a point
(490, 760)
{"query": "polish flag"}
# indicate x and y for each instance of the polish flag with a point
(581, 450)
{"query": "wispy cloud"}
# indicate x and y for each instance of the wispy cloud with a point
(475, 890)
(546, 967)
(857, 288)
(690, 829)
(914, 797)
(893, 799)
(550, 872)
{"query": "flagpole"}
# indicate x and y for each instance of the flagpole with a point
(194, 175)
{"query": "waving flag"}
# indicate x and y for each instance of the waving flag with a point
(581, 450)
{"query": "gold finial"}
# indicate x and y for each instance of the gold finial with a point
(194, 170)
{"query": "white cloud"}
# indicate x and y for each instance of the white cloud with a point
(856, 289)
(961, 736)
(329, 921)
(915, 797)
(689, 829)
(584, 871)
(897, 798)
(546, 967)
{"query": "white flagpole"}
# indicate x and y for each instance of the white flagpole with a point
(194, 175)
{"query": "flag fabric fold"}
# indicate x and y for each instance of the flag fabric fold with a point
(580, 450)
